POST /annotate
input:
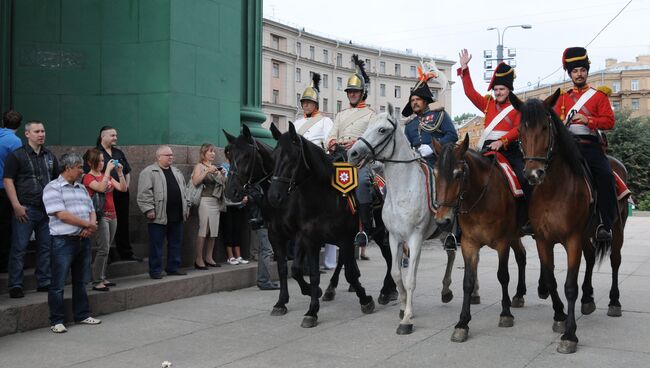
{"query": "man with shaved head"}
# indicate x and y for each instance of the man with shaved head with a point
(161, 198)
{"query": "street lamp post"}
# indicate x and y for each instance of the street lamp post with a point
(500, 58)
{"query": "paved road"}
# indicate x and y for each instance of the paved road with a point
(234, 329)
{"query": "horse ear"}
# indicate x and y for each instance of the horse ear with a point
(515, 101)
(550, 101)
(465, 145)
(391, 109)
(229, 137)
(275, 132)
(292, 132)
(437, 147)
(247, 132)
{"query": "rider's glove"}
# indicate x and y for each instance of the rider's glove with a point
(425, 150)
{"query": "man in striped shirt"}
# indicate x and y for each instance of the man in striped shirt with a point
(72, 222)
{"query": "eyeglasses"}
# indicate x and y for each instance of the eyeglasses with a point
(167, 154)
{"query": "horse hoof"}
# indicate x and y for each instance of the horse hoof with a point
(351, 289)
(446, 298)
(329, 295)
(279, 311)
(309, 322)
(567, 347)
(368, 308)
(475, 299)
(517, 302)
(405, 329)
(387, 298)
(506, 321)
(588, 308)
(559, 326)
(542, 294)
(401, 314)
(460, 335)
(614, 311)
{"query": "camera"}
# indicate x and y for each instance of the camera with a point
(116, 162)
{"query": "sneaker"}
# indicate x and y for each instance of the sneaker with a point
(16, 292)
(233, 261)
(90, 321)
(242, 261)
(58, 328)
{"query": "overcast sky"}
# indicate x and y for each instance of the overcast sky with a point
(441, 29)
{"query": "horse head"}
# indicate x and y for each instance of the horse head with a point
(450, 172)
(290, 160)
(537, 133)
(374, 141)
(247, 164)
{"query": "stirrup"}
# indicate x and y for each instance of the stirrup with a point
(361, 239)
(450, 242)
(603, 235)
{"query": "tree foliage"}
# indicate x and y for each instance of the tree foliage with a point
(630, 143)
(463, 117)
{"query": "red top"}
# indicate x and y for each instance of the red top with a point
(491, 109)
(597, 109)
(109, 205)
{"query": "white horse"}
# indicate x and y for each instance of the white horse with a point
(406, 213)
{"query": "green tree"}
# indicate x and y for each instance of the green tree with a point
(463, 117)
(630, 143)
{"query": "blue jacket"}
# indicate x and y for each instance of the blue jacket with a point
(445, 133)
(9, 142)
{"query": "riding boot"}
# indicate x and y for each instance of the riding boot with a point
(365, 215)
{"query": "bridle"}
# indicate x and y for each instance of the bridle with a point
(381, 146)
(456, 205)
(292, 183)
(250, 183)
(546, 160)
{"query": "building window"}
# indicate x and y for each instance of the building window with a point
(382, 108)
(382, 90)
(339, 83)
(326, 81)
(326, 56)
(276, 96)
(298, 49)
(398, 70)
(275, 42)
(298, 75)
(276, 70)
(312, 52)
(367, 66)
(298, 99)
(635, 104)
(397, 111)
(434, 93)
(325, 103)
(634, 85)
(382, 67)
(398, 92)
(616, 105)
(339, 59)
(616, 87)
(339, 105)
(414, 72)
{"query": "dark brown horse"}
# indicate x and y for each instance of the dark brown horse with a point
(470, 186)
(561, 211)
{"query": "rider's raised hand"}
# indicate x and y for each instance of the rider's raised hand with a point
(464, 57)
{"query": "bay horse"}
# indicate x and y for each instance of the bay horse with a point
(406, 213)
(312, 213)
(470, 186)
(561, 211)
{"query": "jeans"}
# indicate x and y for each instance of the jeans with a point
(5, 230)
(69, 253)
(264, 258)
(122, 240)
(103, 239)
(39, 223)
(157, 233)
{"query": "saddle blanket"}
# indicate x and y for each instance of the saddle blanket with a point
(429, 182)
(506, 169)
(621, 188)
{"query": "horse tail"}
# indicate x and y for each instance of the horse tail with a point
(603, 249)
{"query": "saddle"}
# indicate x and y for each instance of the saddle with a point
(503, 164)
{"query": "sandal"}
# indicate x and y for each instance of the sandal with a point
(101, 288)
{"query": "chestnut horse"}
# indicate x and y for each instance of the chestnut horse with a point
(470, 186)
(561, 211)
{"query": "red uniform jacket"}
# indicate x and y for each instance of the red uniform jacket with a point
(490, 108)
(597, 110)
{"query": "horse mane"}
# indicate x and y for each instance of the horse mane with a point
(320, 164)
(447, 162)
(266, 153)
(534, 112)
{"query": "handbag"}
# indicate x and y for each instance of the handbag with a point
(193, 192)
(99, 201)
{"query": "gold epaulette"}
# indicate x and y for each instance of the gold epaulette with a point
(562, 91)
(488, 96)
(605, 89)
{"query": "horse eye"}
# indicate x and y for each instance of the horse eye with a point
(382, 130)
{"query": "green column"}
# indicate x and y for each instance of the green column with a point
(5, 54)
(251, 81)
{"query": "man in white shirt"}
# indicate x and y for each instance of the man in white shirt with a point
(313, 125)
